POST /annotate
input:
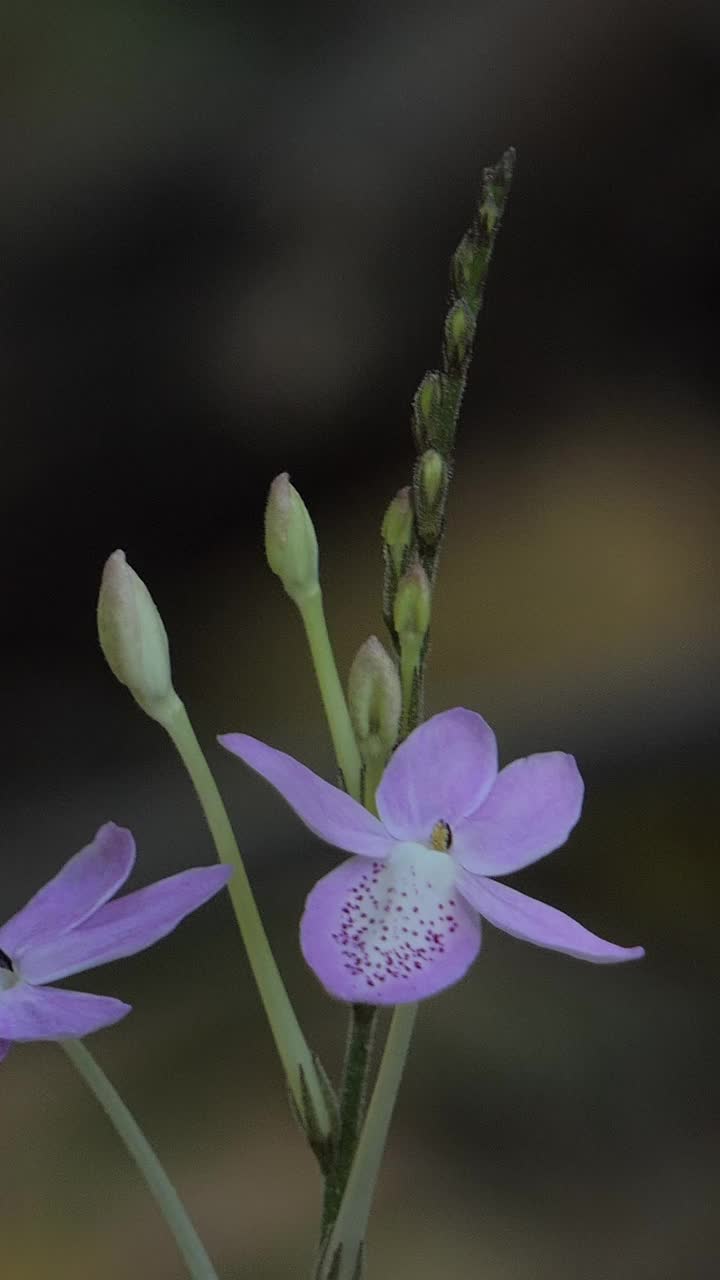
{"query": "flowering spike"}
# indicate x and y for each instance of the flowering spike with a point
(375, 702)
(133, 637)
(290, 541)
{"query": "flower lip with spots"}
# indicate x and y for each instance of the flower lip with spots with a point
(400, 920)
(71, 925)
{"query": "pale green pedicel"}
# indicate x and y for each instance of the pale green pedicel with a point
(331, 691)
(173, 1211)
(290, 1042)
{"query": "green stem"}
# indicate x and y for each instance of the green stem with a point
(295, 1055)
(331, 692)
(374, 770)
(352, 1106)
(411, 665)
(340, 1257)
(188, 1241)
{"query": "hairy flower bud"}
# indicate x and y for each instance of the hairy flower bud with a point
(133, 638)
(431, 483)
(426, 407)
(374, 700)
(290, 542)
(459, 333)
(397, 528)
(411, 614)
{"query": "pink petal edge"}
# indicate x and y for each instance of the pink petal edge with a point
(50, 1013)
(82, 885)
(443, 771)
(328, 812)
(531, 810)
(532, 921)
(125, 926)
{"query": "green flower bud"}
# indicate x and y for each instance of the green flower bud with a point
(432, 476)
(290, 542)
(411, 612)
(469, 268)
(431, 482)
(459, 333)
(426, 407)
(133, 638)
(374, 700)
(397, 528)
(489, 212)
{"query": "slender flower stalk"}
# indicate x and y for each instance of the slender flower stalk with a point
(298, 1062)
(292, 553)
(341, 1259)
(331, 692)
(166, 1197)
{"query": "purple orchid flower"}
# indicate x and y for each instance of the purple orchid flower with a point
(401, 921)
(70, 925)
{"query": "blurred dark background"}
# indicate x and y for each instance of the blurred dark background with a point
(225, 231)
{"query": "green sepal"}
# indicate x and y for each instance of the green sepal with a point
(306, 1117)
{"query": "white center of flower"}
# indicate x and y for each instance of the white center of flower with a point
(399, 917)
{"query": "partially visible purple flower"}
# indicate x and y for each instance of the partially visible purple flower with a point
(71, 924)
(401, 921)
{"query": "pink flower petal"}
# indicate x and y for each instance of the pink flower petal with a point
(85, 882)
(536, 922)
(389, 933)
(125, 926)
(330, 813)
(442, 772)
(531, 810)
(48, 1013)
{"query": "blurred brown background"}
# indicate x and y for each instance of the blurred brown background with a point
(225, 231)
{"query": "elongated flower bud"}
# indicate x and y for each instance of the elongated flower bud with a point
(397, 528)
(459, 334)
(374, 700)
(431, 483)
(426, 408)
(411, 614)
(290, 542)
(133, 638)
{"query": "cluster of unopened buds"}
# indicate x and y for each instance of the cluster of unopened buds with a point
(428, 817)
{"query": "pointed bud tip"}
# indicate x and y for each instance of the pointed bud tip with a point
(411, 613)
(374, 700)
(132, 635)
(397, 527)
(290, 541)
